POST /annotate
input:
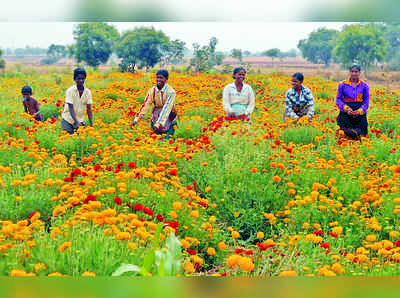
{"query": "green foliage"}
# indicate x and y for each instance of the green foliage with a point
(237, 54)
(300, 135)
(205, 57)
(143, 47)
(318, 47)
(273, 53)
(173, 51)
(2, 62)
(363, 44)
(159, 262)
(94, 42)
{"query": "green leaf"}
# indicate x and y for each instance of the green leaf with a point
(126, 268)
(157, 235)
(148, 261)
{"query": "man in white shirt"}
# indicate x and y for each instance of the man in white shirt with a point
(78, 98)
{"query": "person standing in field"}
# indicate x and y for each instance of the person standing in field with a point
(162, 96)
(353, 102)
(31, 105)
(78, 98)
(299, 100)
(238, 98)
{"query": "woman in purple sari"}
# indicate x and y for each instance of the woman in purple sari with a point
(353, 101)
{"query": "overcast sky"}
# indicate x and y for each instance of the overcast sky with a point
(252, 36)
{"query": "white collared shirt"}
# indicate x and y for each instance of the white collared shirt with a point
(232, 96)
(80, 103)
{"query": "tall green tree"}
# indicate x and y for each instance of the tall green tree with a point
(173, 51)
(363, 44)
(2, 62)
(272, 53)
(206, 57)
(141, 47)
(57, 51)
(319, 45)
(237, 54)
(94, 42)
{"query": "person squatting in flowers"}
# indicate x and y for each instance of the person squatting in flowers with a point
(238, 98)
(78, 98)
(162, 96)
(353, 101)
(299, 100)
(31, 105)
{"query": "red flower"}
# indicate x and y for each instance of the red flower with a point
(248, 252)
(97, 168)
(319, 233)
(191, 251)
(37, 142)
(333, 234)
(195, 185)
(69, 179)
(239, 250)
(76, 172)
(277, 142)
(118, 200)
(160, 217)
(138, 207)
(325, 245)
(397, 243)
(224, 274)
(89, 198)
(109, 168)
(129, 205)
(32, 214)
(173, 172)
(120, 165)
(148, 211)
(132, 165)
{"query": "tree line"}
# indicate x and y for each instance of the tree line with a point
(366, 44)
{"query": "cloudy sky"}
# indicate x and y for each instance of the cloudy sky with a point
(252, 36)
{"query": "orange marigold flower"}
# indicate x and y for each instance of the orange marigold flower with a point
(288, 273)
(63, 247)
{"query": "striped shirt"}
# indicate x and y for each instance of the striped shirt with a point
(160, 98)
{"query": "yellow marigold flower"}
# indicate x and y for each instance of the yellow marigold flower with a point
(236, 214)
(221, 245)
(173, 214)
(288, 273)
(233, 260)
(260, 235)
(246, 264)
(123, 236)
(132, 245)
(59, 210)
(394, 234)
(18, 272)
(235, 234)
(371, 238)
(54, 274)
(276, 178)
(197, 259)
(188, 267)
(63, 247)
(207, 189)
(88, 273)
(177, 205)
(185, 243)
(337, 268)
(337, 230)
(18, 198)
(40, 267)
(211, 251)
(194, 213)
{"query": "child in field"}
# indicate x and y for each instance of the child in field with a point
(162, 96)
(30, 104)
(78, 98)
(299, 100)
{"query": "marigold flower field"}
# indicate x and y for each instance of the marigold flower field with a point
(259, 199)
